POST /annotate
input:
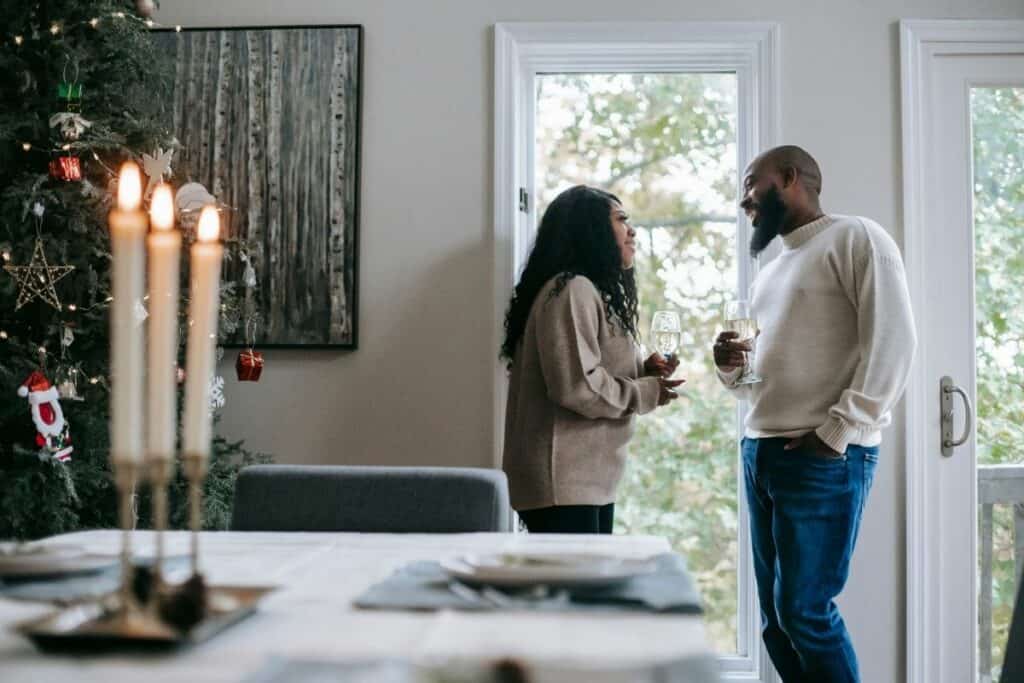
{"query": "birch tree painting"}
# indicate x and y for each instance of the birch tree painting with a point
(268, 121)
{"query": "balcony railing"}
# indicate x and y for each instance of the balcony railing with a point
(997, 485)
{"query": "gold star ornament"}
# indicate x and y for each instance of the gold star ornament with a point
(36, 280)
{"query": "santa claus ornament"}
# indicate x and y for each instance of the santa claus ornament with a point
(52, 433)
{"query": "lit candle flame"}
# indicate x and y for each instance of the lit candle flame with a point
(161, 209)
(209, 225)
(129, 187)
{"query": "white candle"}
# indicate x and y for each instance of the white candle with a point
(127, 237)
(204, 291)
(164, 257)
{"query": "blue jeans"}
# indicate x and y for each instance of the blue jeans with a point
(805, 511)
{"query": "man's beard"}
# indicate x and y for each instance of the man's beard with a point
(771, 211)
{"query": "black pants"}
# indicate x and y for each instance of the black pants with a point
(570, 519)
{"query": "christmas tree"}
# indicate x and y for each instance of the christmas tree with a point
(83, 89)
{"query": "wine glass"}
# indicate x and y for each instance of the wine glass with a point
(740, 319)
(666, 333)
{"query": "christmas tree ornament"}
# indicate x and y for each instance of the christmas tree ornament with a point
(249, 364)
(70, 125)
(145, 8)
(216, 393)
(36, 280)
(66, 168)
(249, 274)
(67, 375)
(156, 167)
(67, 384)
(69, 92)
(193, 197)
(70, 96)
(52, 432)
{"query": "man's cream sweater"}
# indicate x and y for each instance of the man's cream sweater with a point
(837, 335)
(574, 390)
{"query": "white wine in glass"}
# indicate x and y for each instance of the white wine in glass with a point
(740, 319)
(666, 333)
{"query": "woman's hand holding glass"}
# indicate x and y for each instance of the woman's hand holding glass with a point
(666, 332)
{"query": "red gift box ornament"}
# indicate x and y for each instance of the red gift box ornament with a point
(249, 366)
(68, 169)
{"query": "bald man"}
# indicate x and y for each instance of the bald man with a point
(834, 351)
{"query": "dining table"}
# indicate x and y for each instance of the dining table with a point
(310, 614)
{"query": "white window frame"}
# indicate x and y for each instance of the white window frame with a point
(920, 42)
(524, 50)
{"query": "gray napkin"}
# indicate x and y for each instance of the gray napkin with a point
(426, 586)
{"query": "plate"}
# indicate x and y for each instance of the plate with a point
(32, 560)
(551, 569)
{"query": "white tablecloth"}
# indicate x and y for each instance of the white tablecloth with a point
(311, 614)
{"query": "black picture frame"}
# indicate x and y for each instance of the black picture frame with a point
(290, 113)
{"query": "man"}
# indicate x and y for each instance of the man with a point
(834, 350)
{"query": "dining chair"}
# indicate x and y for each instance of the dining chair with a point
(370, 499)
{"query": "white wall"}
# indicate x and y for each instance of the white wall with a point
(417, 390)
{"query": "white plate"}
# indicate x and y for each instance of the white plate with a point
(32, 560)
(552, 569)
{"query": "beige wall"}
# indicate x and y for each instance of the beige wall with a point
(417, 390)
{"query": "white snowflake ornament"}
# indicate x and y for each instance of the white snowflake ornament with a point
(216, 393)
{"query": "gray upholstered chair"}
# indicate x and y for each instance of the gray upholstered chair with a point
(370, 499)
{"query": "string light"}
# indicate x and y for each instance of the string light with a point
(72, 307)
(57, 28)
(109, 299)
(26, 146)
(94, 380)
(3, 334)
(65, 146)
(42, 350)
(6, 256)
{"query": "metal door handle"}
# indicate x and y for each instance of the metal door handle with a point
(947, 390)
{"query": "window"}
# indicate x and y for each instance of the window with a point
(665, 116)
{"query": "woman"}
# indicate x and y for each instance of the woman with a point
(577, 378)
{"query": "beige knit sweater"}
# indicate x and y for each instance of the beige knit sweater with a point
(575, 388)
(837, 335)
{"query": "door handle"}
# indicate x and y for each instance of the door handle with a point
(946, 393)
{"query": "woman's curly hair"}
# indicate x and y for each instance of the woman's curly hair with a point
(575, 238)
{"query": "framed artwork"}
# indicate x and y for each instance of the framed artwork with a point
(268, 121)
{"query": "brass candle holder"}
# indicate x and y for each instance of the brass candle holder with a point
(160, 471)
(195, 467)
(125, 477)
(172, 615)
